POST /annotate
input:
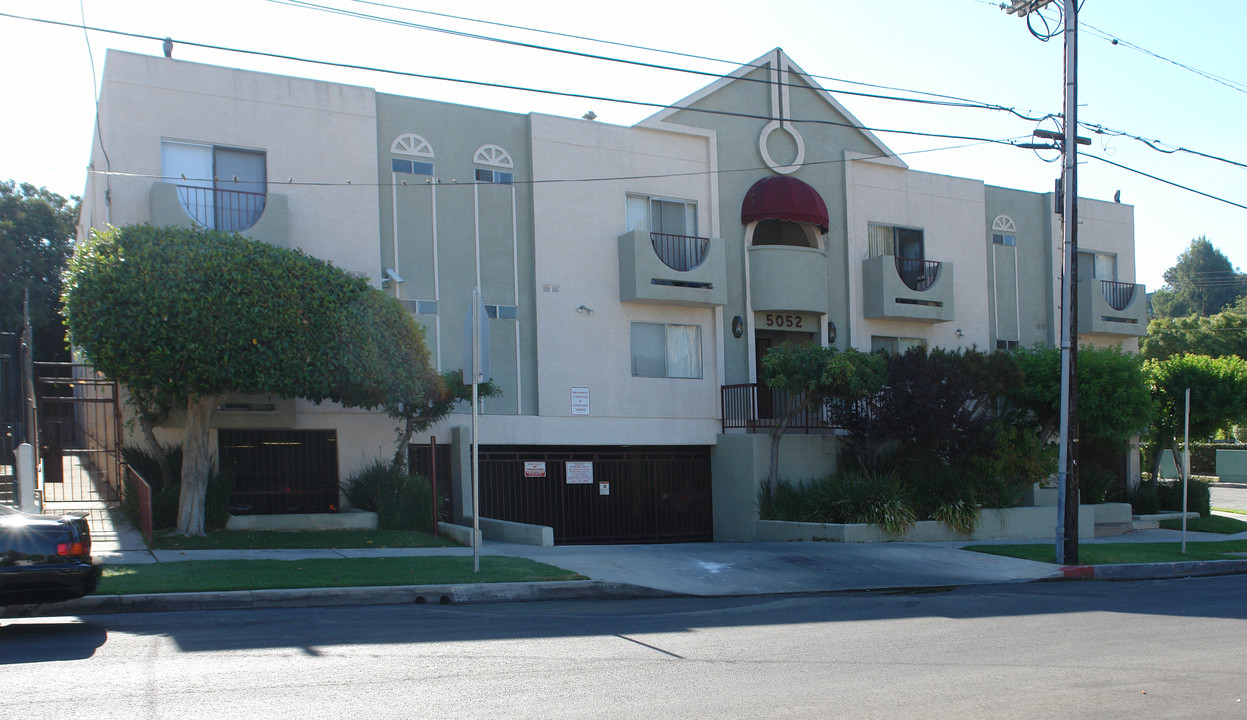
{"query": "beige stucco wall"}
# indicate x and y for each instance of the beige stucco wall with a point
(576, 227)
(950, 212)
(311, 132)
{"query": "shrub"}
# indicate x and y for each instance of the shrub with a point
(166, 494)
(401, 501)
(1198, 496)
(1144, 500)
(1096, 485)
(849, 497)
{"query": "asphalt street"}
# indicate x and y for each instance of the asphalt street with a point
(1106, 650)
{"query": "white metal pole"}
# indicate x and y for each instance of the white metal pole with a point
(476, 374)
(1186, 462)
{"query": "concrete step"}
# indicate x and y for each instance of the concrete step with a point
(1113, 528)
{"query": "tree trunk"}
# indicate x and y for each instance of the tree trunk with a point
(157, 451)
(404, 442)
(196, 463)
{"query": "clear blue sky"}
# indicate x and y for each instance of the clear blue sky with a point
(964, 48)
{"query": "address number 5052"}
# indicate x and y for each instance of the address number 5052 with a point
(778, 320)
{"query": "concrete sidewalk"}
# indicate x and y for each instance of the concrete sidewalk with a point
(628, 571)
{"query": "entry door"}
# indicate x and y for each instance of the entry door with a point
(766, 401)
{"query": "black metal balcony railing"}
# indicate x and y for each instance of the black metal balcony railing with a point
(917, 274)
(225, 210)
(1118, 294)
(754, 407)
(680, 252)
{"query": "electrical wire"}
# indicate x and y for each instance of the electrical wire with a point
(520, 88)
(1180, 186)
(1231, 84)
(954, 101)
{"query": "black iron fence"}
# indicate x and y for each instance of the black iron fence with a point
(224, 210)
(79, 434)
(753, 407)
(680, 252)
(12, 430)
(281, 471)
(917, 274)
(601, 494)
(1118, 294)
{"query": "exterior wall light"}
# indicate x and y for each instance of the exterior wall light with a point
(738, 327)
(831, 333)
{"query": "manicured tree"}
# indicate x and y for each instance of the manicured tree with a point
(438, 397)
(187, 316)
(1218, 398)
(812, 375)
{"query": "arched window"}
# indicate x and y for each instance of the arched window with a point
(414, 146)
(1004, 231)
(493, 155)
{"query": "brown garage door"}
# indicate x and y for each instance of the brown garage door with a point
(601, 494)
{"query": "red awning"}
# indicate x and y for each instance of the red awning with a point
(780, 197)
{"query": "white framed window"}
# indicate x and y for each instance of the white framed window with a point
(1002, 239)
(894, 345)
(221, 188)
(662, 216)
(1098, 265)
(494, 176)
(666, 350)
(493, 155)
(411, 144)
(502, 312)
(904, 242)
(411, 167)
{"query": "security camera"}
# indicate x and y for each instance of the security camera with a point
(392, 276)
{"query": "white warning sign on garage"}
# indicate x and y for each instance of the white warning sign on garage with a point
(579, 473)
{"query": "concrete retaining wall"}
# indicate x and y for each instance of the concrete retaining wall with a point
(1232, 465)
(501, 531)
(1022, 523)
(345, 520)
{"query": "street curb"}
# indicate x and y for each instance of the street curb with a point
(1154, 571)
(346, 596)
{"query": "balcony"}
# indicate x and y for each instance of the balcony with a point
(787, 278)
(1111, 308)
(898, 288)
(261, 216)
(671, 269)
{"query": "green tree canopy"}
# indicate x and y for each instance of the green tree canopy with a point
(186, 316)
(1217, 335)
(1114, 404)
(36, 238)
(1203, 282)
(811, 375)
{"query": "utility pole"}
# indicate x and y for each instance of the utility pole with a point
(1067, 461)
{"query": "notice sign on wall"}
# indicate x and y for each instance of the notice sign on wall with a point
(534, 469)
(604, 488)
(579, 473)
(580, 401)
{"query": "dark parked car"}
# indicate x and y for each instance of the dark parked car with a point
(45, 558)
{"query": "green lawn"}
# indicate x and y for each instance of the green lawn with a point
(1212, 524)
(1118, 553)
(300, 540)
(1236, 511)
(218, 575)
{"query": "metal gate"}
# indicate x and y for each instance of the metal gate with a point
(601, 494)
(79, 433)
(11, 410)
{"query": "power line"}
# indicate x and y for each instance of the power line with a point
(955, 101)
(1168, 182)
(1231, 84)
(503, 86)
